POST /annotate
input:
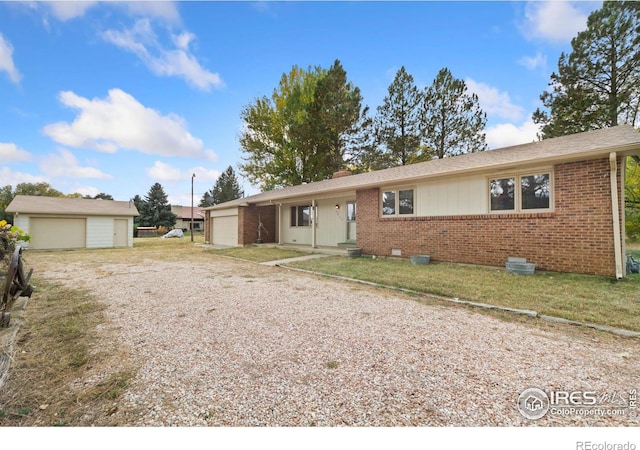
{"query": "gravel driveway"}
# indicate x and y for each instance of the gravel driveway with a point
(226, 342)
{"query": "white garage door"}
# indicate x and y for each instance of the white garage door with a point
(57, 233)
(224, 230)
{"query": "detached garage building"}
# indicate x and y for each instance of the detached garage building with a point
(69, 223)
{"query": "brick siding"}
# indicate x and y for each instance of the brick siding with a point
(248, 224)
(576, 237)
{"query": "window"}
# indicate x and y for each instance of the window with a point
(403, 198)
(534, 192)
(351, 211)
(503, 194)
(388, 203)
(301, 216)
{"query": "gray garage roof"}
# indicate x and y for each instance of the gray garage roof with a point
(31, 204)
(582, 146)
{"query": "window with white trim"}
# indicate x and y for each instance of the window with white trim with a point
(526, 192)
(398, 202)
(301, 216)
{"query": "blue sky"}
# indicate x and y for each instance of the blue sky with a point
(113, 97)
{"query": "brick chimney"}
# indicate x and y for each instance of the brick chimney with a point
(341, 173)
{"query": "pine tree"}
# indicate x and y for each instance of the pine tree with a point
(598, 84)
(155, 210)
(397, 122)
(226, 189)
(452, 121)
(335, 116)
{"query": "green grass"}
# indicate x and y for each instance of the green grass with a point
(259, 254)
(583, 298)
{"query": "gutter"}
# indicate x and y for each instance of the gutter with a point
(615, 213)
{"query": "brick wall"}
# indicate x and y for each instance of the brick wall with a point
(248, 224)
(576, 237)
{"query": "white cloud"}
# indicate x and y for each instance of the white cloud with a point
(534, 62)
(506, 134)
(86, 190)
(165, 10)
(66, 165)
(165, 172)
(12, 178)
(67, 10)
(203, 174)
(12, 153)
(121, 122)
(6, 60)
(556, 21)
(494, 102)
(142, 41)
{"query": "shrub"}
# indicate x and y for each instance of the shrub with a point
(632, 224)
(9, 236)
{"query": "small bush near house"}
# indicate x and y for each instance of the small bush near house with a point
(632, 224)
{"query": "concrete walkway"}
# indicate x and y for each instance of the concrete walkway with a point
(297, 258)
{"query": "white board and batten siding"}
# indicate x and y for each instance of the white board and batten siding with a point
(453, 196)
(331, 224)
(105, 232)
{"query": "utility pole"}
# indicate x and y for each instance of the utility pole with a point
(192, 177)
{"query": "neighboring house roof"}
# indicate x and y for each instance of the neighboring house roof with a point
(184, 212)
(588, 145)
(32, 204)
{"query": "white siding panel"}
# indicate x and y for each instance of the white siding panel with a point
(224, 212)
(99, 232)
(332, 222)
(22, 222)
(453, 196)
(295, 235)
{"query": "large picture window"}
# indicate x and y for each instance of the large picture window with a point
(398, 202)
(301, 216)
(521, 192)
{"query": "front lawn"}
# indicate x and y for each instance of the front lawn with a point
(582, 298)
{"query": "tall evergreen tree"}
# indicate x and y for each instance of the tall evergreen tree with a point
(452, 121)
(335, 116)
(139, 204)
(103, 196)
(156, 210)
(397, 122)
(226, 189)
(597, 85)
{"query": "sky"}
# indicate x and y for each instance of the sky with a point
(115, 96)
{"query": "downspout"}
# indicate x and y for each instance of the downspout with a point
(279, 223)
(313, 218)
(615, 212)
